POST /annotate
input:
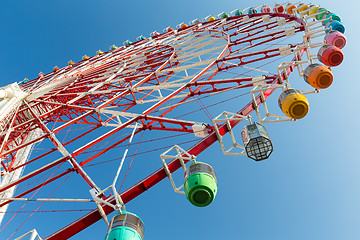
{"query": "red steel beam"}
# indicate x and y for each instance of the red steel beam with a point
(39, 186)
(157, 176)
(34, 173)
(139, 188)
(145, 184)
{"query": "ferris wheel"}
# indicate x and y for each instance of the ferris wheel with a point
(144, 110)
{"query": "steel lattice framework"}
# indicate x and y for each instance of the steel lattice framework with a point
(145, 85)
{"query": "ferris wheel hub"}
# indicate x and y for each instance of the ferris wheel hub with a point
(10, 91)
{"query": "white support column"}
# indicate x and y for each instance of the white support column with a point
(21, 157)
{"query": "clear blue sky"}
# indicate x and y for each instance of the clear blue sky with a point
(308, 189)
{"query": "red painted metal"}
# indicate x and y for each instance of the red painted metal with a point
(39, 186)
(34, 173)
(69, 103)
(156, 177)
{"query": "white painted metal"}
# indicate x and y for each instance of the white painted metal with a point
(259, 89)
(182, 155)
(11, 99)
(189, 48)
(33, 234)
(200, 130)
(96, 194)
(226, 117)
(20, 158)
(46, 199)
(119, 202)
